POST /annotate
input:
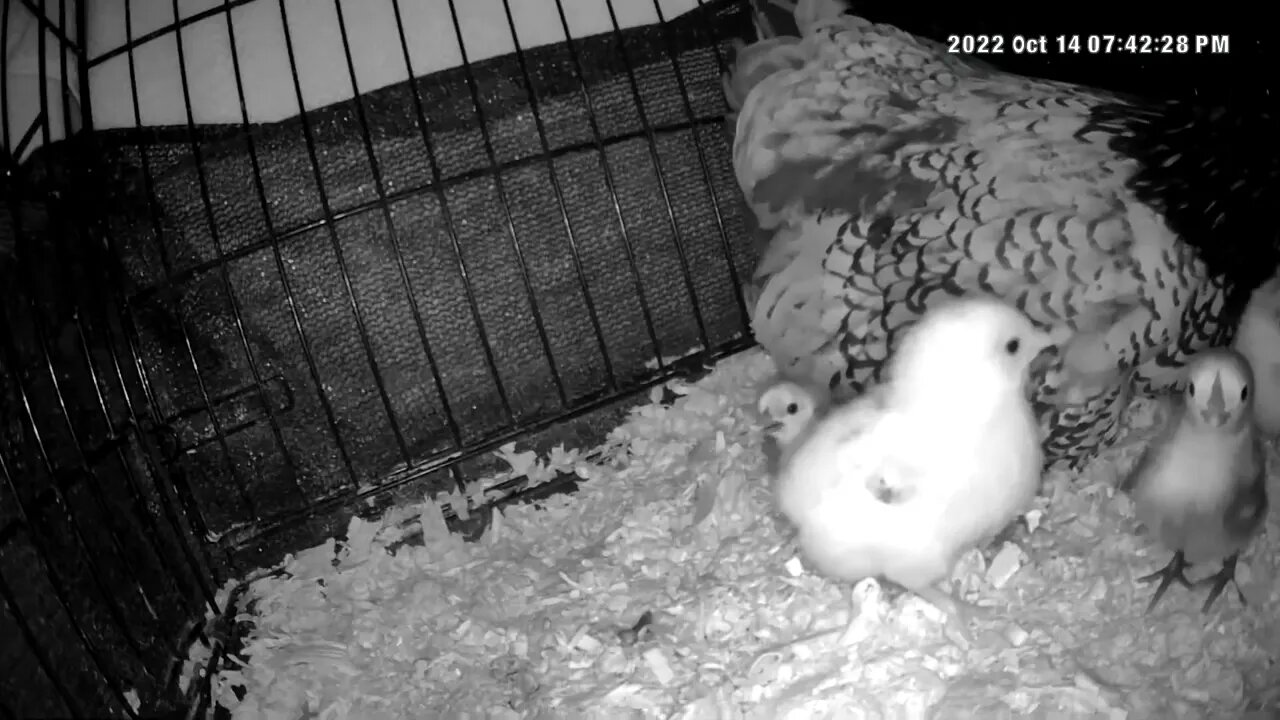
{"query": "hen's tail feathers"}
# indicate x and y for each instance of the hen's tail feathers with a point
(809, 13)
(774, 19)
(1214, 172)
(780, 24)
(757, 61)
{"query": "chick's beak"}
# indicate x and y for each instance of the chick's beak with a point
(1215, 418)
(773, 427)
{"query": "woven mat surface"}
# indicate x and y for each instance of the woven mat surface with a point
(634, 227)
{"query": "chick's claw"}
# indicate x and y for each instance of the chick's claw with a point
(961, 615)
(866, 605)
(1016, 532)
(1175, 570)
(1220, 579)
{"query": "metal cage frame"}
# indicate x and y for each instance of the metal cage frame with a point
(101, 618)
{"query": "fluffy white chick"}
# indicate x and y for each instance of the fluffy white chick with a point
(900, 482)
(1258, 340)
(788, 409)
(1200, 487)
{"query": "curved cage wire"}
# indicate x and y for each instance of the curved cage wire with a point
(221, 339)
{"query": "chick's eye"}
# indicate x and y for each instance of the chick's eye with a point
(1244, 393)
(792, 408)
(1191, 389)
(1012, 346)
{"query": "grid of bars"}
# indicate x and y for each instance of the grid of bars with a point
(96, 573)
(221, 274)
(114, 520)
(93, 576)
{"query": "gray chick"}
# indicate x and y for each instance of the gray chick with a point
(1200, 487)
(789, 408)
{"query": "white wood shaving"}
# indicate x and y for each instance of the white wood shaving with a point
(532, 622)
(1004, 565)
(658, 665)
(1032, 518)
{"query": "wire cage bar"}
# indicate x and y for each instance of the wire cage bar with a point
(96, 569)
(220, 341)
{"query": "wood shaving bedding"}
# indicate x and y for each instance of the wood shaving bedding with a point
(543, 617)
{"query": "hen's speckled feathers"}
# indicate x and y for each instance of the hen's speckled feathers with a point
(888, 173)
(1258, 340)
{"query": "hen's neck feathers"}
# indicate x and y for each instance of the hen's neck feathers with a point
(1213, 172)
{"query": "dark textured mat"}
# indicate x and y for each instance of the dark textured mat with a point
(387, 281)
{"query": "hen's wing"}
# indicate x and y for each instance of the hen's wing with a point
(894, 170)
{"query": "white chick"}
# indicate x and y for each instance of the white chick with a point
(1201, 486)
(788, 409)
(1258, 340)
(900, 482)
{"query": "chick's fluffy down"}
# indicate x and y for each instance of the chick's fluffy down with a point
(937, 510)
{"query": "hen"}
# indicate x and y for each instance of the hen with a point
(886, 174)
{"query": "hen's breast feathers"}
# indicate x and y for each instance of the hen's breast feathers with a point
(891, 171)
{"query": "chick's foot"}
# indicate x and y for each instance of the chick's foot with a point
(1175, 570)
(866, 603)
(1016, 532)
(961, 615)
(1220, 579)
